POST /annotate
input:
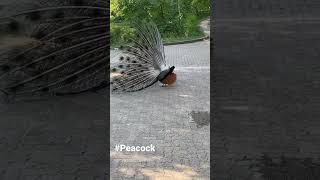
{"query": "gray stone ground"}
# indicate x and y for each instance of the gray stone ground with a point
(59, 138)
(162, 116)
(266, 100)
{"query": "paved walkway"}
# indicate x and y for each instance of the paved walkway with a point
(266, 103)
(163, 117)
(59, 138)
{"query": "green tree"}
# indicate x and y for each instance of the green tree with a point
(174, 18)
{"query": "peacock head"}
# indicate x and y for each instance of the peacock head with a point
(171, 69)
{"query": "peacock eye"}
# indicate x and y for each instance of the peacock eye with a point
(121, 58)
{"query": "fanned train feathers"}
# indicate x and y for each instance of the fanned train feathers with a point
(53, 47)
(143, 63)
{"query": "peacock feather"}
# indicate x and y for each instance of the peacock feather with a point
(142, 63)
(53, 47)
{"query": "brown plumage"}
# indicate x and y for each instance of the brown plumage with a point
(170, 79)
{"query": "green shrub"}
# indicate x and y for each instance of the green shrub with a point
(121, 34)
(192, 26)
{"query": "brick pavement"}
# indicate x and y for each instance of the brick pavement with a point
(162, 117)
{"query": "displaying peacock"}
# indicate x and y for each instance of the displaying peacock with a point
(53, 47)
(142, 63)
(62, 47)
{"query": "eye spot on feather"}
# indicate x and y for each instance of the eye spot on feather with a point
(20, 57)
(34, 16)
(72, 79)
(78, 3)
(46, 89)
(13, 26)
(5, 68)
(63, 39)
(121, 58)
(97, 13)
(140, 65)
(16, 88)
(134, 61)
(39, 34)
(120, 66)
(58, 14)
(128, 59)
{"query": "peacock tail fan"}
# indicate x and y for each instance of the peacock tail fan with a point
(142, 63)
(53, 47)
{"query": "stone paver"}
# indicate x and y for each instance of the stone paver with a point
(162, 116)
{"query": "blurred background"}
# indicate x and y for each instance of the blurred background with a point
(177, 20)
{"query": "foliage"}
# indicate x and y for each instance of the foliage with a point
(174, 18)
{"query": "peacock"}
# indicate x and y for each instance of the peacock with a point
(53, 47)
(61, 47)
(143, 62)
